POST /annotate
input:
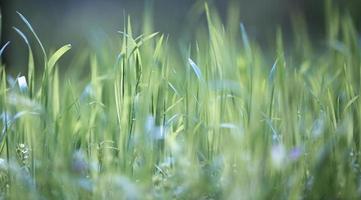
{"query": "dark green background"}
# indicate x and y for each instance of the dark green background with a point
(80, 21)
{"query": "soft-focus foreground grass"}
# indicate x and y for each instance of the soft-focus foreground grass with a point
(217, 122)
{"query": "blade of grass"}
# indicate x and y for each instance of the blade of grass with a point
(4, 47)
(31, 67)
(35, 35)
(57, 55)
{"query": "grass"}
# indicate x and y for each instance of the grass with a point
(218, 121)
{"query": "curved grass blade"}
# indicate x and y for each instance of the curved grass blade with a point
(22, 35)
(4, 47)
(35, 35)
(57, 55)
(141, 42)
(31, 65)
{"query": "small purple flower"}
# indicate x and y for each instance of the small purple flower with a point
(79, 164)
(295, 153)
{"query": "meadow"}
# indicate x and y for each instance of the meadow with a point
(222, 119)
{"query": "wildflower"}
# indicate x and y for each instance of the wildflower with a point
(23, 156)
(278, 154)
(295, 153)
(79, 164)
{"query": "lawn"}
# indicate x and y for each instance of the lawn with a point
(221, 119)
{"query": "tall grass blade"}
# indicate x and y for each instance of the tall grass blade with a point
(31, 65)
(35, 35)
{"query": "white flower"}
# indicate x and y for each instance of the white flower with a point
(278, 154)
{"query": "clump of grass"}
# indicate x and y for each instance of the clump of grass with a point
(218, 121)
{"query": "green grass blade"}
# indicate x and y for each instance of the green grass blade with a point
(57, 55)
(196, 69)
(31, 65)
(35, 35)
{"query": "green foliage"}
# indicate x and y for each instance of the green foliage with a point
(219, 121)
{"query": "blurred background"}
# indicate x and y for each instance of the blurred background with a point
(87, 23)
